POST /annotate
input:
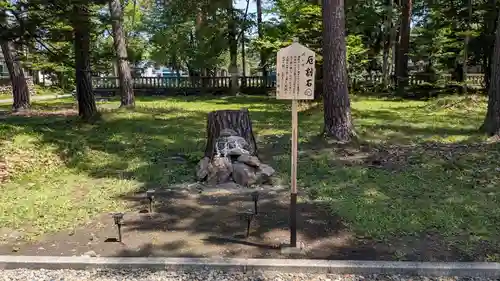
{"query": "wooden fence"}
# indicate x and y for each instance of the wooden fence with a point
(185, 82)
(251, 84)
(474, 80)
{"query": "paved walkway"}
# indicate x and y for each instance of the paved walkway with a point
(38, 98)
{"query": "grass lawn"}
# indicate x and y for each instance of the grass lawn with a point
(421, 168)
(40, 91)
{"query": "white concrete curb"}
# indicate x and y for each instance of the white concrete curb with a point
(473, 269)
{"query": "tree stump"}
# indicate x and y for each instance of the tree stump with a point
(231, 151)
(236, 120)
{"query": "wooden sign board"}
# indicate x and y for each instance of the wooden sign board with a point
(295, 72)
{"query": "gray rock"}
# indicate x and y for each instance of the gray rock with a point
(266, 170)
(228, 132)
(243, 174)
(224, 169)
(202, 170)
(228, 185)
(90, 254)
(236, 152)
(220, 170)
(249, 160)
(237, 141)
(226, 145)
(212, 174)
(264, 173)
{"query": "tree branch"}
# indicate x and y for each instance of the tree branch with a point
(244, 19)
(34, 36)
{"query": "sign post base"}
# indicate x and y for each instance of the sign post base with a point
(288, 250)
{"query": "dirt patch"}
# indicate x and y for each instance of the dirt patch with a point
(40, 113)
(211, 224)
(4, 173)
(389, 156)
(45, 113)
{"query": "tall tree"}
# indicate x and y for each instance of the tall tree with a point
(389, 34)
(261, 35)
(87, 108)
(404, 46)
(488, 35)
(466, 45)
(491, 123)
(337, 107)
(20, 91)
(233, 47)
(124, 75)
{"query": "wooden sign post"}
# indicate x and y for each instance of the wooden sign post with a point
(295, 72)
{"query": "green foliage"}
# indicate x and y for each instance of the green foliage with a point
(437, 38)
(191, 34)
(308, 28)
(357, 56)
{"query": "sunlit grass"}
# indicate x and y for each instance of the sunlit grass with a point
(39, 91)
(433, 179)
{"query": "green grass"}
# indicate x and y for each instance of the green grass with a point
(421, 166)
(40, 91)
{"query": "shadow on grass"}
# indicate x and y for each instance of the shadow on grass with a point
(154, 145)
(384, 193)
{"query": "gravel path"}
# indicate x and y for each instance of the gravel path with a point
(143, 275)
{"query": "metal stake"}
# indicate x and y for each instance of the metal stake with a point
(249, 222)
(119, 232)
(255, 198)
(118, 218)
(150, 194)
(248, 215)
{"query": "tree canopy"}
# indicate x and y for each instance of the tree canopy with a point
(386, 40)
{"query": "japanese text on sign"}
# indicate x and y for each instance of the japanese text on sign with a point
(295, 72)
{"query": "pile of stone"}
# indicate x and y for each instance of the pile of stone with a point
(233, 161)
(6, 86)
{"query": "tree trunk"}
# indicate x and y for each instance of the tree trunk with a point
(337, 107)
(176, 66)
(231, 151)
(20, 91)
(491, 123)
(261, 35)
(237, 120)
(124, 75)
(466, 47)
(404, 45)
(395, 53)
(233, 49)
(489, 33)
(87, 108)
(389, 38)
(243, 59)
